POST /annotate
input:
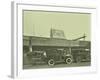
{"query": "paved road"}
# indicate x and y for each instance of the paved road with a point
(38, 66)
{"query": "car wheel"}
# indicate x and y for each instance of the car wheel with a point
(51, 62)
(68, 60)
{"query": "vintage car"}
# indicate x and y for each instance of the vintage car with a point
(51, 56)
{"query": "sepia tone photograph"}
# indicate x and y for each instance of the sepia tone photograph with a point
(53, 39)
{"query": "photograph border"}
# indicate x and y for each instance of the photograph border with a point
(17, 54)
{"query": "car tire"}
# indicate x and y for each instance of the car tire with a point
(51, 62)
(68, 60)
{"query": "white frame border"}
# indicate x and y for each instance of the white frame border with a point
(17, 70)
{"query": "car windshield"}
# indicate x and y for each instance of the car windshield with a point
(37, 53)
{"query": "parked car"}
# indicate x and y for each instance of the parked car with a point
(51, 56)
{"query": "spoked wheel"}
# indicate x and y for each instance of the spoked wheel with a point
(51, 62)
(68, 60)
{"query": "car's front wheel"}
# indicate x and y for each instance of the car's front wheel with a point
(68, 60)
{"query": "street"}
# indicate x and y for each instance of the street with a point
(58, 65)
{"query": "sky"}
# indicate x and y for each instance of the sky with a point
(39, 23)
